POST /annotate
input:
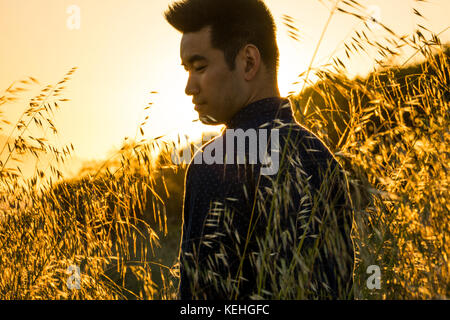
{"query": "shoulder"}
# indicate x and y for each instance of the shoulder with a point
(299, 147)
(302, 139)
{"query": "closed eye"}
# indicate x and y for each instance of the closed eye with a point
(201, 68)
(198, 69)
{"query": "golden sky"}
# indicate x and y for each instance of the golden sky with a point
(124, 49)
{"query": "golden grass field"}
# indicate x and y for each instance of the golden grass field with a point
(120, 222)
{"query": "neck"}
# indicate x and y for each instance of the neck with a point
(263, 93)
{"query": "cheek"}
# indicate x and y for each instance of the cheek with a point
(214, 85)
(219, 90)
(212, 80)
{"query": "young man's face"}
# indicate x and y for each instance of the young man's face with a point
(217, 92)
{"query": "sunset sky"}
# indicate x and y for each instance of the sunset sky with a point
(124, 49)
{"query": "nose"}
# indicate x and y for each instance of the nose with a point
(191, 86)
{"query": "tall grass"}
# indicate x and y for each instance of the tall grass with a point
(390, 132)
(120, 221)
(391, 135)
(96, 223)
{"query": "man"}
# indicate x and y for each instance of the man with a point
(277, 228)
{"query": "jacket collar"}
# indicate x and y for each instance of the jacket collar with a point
(260, 112)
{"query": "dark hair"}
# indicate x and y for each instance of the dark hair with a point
(234, 24)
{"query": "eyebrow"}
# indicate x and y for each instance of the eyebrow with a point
(193, 59)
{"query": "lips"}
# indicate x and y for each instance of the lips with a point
(198, 106)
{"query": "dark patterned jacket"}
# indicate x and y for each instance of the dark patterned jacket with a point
(248, 234)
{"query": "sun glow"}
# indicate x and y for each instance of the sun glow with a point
(131, 51)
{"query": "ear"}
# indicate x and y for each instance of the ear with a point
(252, 61)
